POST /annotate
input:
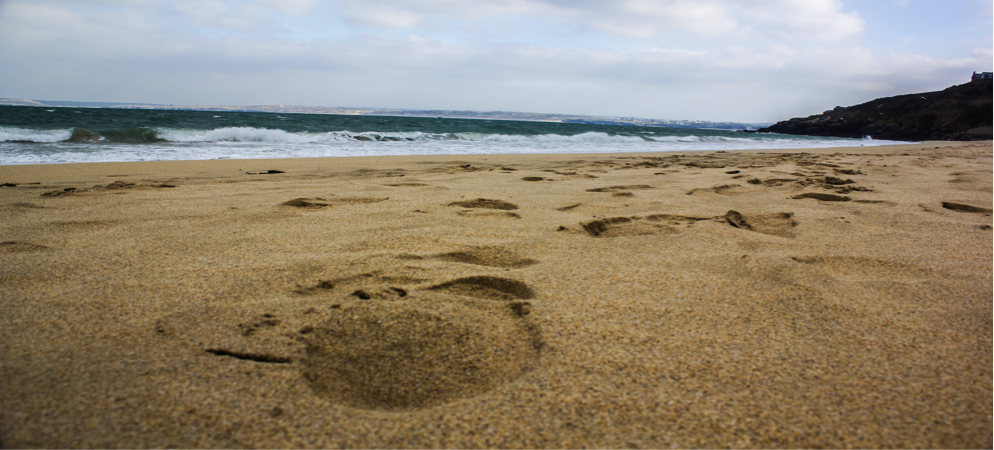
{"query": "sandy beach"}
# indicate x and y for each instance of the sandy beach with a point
(810, 298)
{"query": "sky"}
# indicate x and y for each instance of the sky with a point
(720, 60)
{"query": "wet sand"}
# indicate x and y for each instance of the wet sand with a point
(815, 298)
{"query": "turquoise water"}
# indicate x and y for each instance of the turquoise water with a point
(39, 135)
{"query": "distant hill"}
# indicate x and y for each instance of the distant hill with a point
(957, 113)
(483, 115)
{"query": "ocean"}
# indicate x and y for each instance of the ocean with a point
(44, 135)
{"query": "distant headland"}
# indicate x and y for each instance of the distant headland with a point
(957, 113)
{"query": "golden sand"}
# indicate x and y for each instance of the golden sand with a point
(816, 298)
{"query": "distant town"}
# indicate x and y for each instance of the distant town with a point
(445, 114)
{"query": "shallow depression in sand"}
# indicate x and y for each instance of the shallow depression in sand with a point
(417, 353)
(492, 256)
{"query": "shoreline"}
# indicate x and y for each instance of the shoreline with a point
(835, 297)
(174, 167)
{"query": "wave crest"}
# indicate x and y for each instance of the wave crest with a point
(233, 134)
(278, 136)
(15, 134)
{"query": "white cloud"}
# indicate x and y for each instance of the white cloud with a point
(291, 7)
(46, 30)
(384, 16)
(807, 20)
(221, 15)
(811, 20)
(795, 20)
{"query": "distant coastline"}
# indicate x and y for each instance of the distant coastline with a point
(445, 114)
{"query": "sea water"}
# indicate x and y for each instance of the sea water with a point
(41, 135)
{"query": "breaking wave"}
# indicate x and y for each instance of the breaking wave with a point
(277, 136)
(14, 134)
(23, 145)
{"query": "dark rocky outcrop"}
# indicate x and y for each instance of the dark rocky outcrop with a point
(958, 113)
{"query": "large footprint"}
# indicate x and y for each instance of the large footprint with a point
(453, 340)
(381, 346)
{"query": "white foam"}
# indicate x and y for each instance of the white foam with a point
(231, 134)
(47, 146)
(10, 134)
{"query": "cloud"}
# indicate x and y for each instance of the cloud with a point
(291, 7)
(123, 52)
(806, 20)
(798, 20)
(220, 15)
(51, 30)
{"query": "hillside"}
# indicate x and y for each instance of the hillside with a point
(957, 113)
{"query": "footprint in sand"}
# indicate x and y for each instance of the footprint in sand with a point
(639, 226)
(489, 214)
(23, 206)
(270, 331)
(823, 197)
(772, 181)
(62, 192)
(253, 332)
(412, 184)
(487, 287)
(366, 343)
(484, 203)
(630, 187)
(960, 177)
(848, 172)
(450, 341)
(301, 202)
(125, 185)
(320, 202)
(725, 189)
(117, 185)
(358, 200)
(834, 181)
(855, 268)
(82, 225)
(965, 208)
(776, 224)
(491, 256)
(21, 247)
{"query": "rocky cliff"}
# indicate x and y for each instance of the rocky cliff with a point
(958, 113)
